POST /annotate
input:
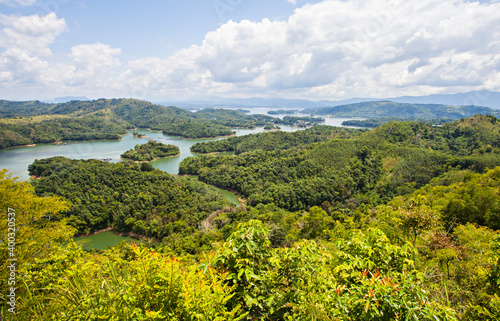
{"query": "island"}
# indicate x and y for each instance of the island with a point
(272, 127)
(283, 112)
(150, 151)
(138, 135)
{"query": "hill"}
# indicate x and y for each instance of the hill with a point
(400, 222)
(347, 170)
(378, 109)
(30, 122)
(150, 151)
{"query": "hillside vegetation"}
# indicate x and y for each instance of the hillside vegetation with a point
(397, 223)
(126, 196)
(21, 122)
(377, 109)
(150, 151)
(346, 172)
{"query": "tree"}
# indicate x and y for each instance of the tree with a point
(416, 219)
(28, 232)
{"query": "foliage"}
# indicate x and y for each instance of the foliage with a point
(132, 283)
(30, 232)
(350, 171)
(307, 281)
(123, 196)
(376, 109)
(275, 140)
(375, 122)
(150, 151)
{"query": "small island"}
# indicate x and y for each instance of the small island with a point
(138, 135)
(283, 112)
(272, 127)
(150, 151)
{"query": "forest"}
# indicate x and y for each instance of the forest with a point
(130, 197)
(377, 109)
(375, 122)
(62, 129)
(150, 151)
(32, 122)
(359, 170)
(395, 223)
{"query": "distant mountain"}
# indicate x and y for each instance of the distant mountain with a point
(377, 109)
(477, 98)
(245, 102)
(59, 100)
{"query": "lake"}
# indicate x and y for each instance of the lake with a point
(102, 240)
(18, 159)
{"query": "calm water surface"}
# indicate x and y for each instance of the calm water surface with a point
(18, 159)
(101, 240)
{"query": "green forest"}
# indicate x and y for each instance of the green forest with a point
(377, 109)
(150, 151)
(32, 122)
(63, 129)
(396, 223)
(375, 122)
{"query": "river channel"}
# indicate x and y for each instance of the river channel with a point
(18, 159)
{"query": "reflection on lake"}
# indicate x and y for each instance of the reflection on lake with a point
(102, 240)
(18, 159)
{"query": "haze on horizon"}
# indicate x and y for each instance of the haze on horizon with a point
(187, 50)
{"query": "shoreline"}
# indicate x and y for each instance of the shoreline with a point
(104, 139)
(61, 142)
(124, 234)
(94, 233)
(213, 153)
(154, 159)
(28, 145)
(235, 192)
(207, 137)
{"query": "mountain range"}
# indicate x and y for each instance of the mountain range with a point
(477, 98)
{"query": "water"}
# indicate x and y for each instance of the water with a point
(18, 159)
(230, 196)
(102, 240)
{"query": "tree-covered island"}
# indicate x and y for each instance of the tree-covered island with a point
(150, 151)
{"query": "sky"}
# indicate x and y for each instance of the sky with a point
(181, 50)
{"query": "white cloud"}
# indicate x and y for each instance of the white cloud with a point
(334, 48)
(26, 41)
(327, 50)
(95, 56)
(32, 34)
(294, 2)
(18, 2)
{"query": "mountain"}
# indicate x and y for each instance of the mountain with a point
(477, 98)
(59, 100)
(378, 109)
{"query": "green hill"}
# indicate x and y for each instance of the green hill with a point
(31, 122)
(377, 109)
(150, 151)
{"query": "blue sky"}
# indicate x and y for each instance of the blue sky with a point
(185, 49)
